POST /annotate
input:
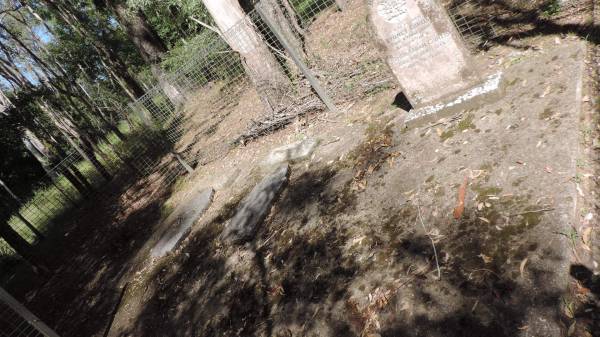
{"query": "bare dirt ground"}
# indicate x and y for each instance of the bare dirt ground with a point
(348, 250)
(92, 254)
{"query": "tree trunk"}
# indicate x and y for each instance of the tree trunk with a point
(88, 148)
(273, 9)
(17, 204)
(87, 151)
(20, 245)
(75, 177)
(261, 66)
(149, 44)
(77, 180)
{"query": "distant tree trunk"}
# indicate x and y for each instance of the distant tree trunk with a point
(149, 44)
(67, 130)
(89, 149)
(111, 60)
(71, 173)
(18, 243)
(75, 177)
(21, 246)
(17, 204)
(261, 66)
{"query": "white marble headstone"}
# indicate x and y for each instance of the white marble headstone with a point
(423, 48)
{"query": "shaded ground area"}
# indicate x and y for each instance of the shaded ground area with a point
(347, 250)
(92, 254)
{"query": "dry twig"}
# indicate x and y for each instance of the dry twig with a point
(437, 262)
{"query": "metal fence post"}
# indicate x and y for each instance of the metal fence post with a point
(182, 162)
(18, 320)
(296, 58)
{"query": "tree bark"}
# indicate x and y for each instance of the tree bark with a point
(20, 245)
(273, 8)
(17, 204)
(260, 65)
(87, 151)
(148, 43)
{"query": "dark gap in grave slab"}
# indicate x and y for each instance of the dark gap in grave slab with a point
(401, 101)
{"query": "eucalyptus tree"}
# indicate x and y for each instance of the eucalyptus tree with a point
(260, 64)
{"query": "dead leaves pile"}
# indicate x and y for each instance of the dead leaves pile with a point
(366, 320)
(371, 156)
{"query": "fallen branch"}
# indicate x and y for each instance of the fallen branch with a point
(214, 29)
(534, 211)
(460, 206)
(453, 119)
(437, 262)
(280, 118)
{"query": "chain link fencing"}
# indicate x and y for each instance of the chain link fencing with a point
(474, 23)
(17, 321)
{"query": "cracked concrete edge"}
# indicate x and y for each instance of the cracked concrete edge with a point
(489, 89)
(179, 224)
(586, 118)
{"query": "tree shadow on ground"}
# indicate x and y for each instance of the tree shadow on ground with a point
(90, 254)
(518, 23)
(299, 277)
(589, 294)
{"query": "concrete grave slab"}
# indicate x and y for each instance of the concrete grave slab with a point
(485, 93)
(227, 179)
(291, 153)
(255, 206)
(179, 223)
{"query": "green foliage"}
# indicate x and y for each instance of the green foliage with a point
(551, 8)
(172, 18)
(180, 55)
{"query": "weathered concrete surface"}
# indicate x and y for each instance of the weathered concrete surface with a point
(291, 153)
(520, 154)
(485, 93)
(227, 178)
(179, 223)
(424, 50)
(256, 206)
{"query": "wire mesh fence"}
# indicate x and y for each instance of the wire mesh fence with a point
(473, 23)
(17, 321)
(307, 10)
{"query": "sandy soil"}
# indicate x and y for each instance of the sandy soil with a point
(348, 248)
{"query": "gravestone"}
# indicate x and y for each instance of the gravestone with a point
(291, 153)
(423, 49)
(255, 207)
(177, 225)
